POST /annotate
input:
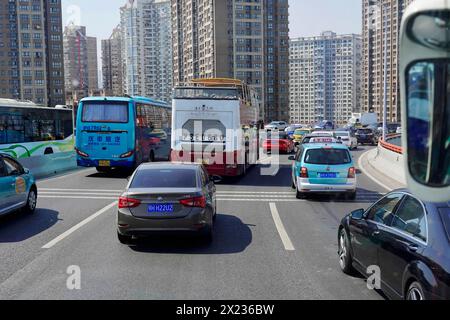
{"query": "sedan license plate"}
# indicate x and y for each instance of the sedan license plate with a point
(327, 175)
(104, 163)
(160, 208)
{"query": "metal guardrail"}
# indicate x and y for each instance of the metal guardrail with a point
(390, 146)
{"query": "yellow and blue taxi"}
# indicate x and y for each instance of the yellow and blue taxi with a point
(323, 168)
(18, 189)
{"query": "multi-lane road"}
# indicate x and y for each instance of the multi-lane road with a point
(267, 244)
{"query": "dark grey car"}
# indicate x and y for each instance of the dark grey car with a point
(167, 198)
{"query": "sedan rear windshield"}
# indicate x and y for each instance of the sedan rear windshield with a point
(445, 214)
(328, 156)
(105, 112)
(165, 178)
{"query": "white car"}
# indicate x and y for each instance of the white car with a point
(323, 134)
(348, 139)
(399, 130)
(277, 125)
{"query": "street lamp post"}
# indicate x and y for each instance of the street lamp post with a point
(385, 75)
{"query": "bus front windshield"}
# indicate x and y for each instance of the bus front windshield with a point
(105, 112)
(206, 93)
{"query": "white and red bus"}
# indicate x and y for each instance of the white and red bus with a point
(215, 122)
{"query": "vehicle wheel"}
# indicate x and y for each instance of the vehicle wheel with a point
(350, 196)
(415, 292)
(124, 239)
(31, 201)
(300, 195)
(207, 235)
(345, 259)
(293, 185)
(151, 157)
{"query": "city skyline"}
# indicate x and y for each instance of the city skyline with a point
(304, 14)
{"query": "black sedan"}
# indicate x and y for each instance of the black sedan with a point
(407, 239)
(366, 136)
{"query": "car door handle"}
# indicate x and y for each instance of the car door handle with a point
(412, 247)
(376, 233)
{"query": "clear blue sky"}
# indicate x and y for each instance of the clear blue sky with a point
(307, 17)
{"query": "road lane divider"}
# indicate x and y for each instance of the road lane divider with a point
(288, 246)
(78, 226)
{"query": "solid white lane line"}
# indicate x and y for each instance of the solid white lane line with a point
(75, 190)
(78, 226)
(78, 197)
(78, 193)
(65, 175)
(280, 227)
(259, 200)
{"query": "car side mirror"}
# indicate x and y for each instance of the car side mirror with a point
(292, 158)
(358, 214)
(216, 179)
(26, 171)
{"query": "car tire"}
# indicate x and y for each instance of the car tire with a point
(30, 206)
(350, 195)
(300, 195)
(207, 235)
(345, 258)
(415, 292)
(123, 239)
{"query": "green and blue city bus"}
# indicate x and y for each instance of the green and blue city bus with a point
(28, 130)
(122, 132)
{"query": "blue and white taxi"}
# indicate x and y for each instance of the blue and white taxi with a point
(18, 189)
(323, 168)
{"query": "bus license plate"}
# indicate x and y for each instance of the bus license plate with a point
(328, 175)
(160, 208)
(104, 163)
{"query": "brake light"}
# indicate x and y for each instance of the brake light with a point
(303, 172)
(196, 202)
(81, 153)
(125, 202)
(351, 173)
(127, 154)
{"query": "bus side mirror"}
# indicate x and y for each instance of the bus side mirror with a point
(425, 100)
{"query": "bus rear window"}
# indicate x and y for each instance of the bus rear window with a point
(328, 156)
(107, 112)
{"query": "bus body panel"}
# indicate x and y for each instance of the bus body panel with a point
(143, 135)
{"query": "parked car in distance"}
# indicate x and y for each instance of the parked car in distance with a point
(366, 136)
(408, 239)
(323, 168)
(348, 138)
(277, 125)
(167, 198)
(18, 189)
(278, 141)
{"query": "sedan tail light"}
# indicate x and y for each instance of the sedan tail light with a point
(303, 173)
(196, 202)
(351, 173)
(125, 202)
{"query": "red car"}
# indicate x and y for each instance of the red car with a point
(280, 142)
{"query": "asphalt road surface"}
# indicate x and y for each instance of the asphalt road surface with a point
(267, 244)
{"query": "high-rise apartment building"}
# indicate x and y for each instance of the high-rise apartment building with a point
(80, 62)
(92, 63)
(381, 28)
(31, 59)
(325, 78)
(147, 48)
(244, 39)
(112, 66)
